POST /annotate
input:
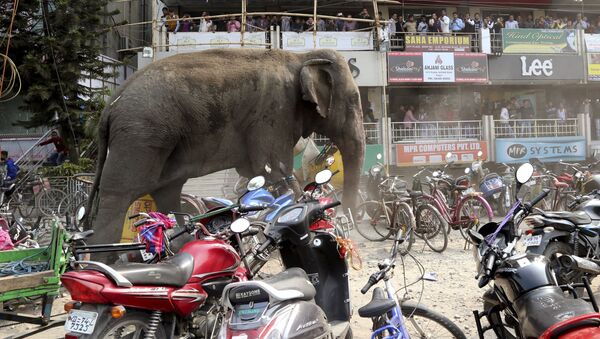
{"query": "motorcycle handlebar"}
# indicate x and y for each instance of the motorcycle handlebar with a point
(331, 205)
(251, 208)
(264, 245)
(537, 199)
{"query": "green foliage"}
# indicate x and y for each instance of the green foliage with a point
(55, 44)
(67, 169)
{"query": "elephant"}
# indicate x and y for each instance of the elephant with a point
(192, 114)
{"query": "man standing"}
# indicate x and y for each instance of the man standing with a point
(444, 22)
(477, 22)
(61, 151)
(457, 24)
(511, 23)
(410, 26)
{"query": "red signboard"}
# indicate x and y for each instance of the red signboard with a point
(435, 153)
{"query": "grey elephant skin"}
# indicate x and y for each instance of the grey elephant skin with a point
(196, 113)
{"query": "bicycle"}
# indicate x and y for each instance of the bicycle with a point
(391, 316)
(31, 193)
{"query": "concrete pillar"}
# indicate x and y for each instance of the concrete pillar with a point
(488, 135)
(585, 129)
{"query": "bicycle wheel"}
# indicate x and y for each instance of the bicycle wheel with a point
(471, 213)
(431, 227)
(378, 227)
(47, 201)
(404, 221)
(422, 322)
(189, 204)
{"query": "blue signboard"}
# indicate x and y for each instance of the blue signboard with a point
(550, 149)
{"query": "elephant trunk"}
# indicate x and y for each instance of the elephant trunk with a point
(352, 147)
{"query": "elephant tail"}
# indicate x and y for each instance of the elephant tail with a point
(102, 139)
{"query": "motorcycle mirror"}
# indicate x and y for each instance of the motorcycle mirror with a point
(578, 175)
(449, 157)
(267, 168)
(435, 174)
(524, 173)
(323, 176)
(467, 170)
(379, 156)
(330, 161)
(479, 154)
(80, 213)
(475, 236)
(240, 225)
(256, 183)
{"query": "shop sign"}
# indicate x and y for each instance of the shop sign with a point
(439, 67)
(539, 41)
(550, 149)
(533, 67)
(367, 67)
(593, 67)
(341, 41)
(195, 41)
(437, 43)
(592, 42)
(435, 153)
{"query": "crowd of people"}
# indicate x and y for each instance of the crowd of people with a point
(287, 23)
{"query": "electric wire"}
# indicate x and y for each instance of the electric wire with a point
(13, 79)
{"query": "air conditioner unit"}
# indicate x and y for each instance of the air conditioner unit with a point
(124, 42)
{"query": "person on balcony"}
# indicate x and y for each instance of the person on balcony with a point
(477, 22)
(206, 24)
(511, 23)
(562, 113)
(529, 23)
(469, 24)
(444, 22)
(422, 27)
(297, 26)
(434, 24)
(233, 25)
(528, 114)
(349, 25)
(364, 14)
(172, 21)
(186, 25)
(457, 24)
(580, 23)
(339, 23)
(391, 25)
(286, 23)
(410, 26)
(61, 151)
(505, 126)
(409, 118)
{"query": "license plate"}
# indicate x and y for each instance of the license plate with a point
(532, 240)
(81, 321)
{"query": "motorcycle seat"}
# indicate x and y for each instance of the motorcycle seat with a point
(173, 271)
(379, 305)
(291, 284)
(577, 217)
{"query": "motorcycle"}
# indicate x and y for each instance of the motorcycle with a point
(310, 298)
(175, 296)
(524, 288)
(491, 185)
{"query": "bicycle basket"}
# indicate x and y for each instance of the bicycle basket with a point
(491, 185)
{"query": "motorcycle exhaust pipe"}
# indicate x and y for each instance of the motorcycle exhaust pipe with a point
(573, 262)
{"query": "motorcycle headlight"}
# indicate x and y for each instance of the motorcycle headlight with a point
(375, 170)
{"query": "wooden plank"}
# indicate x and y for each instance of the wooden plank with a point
(15, 282)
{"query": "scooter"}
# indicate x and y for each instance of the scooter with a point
(177, 296)
(525, 300)
(310, 299)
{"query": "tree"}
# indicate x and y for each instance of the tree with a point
(56, 44)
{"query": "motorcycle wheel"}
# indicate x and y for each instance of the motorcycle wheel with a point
(431, 227)
(378, 227)
(422, 322)
(132, 325)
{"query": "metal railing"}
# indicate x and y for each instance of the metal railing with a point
(534, 128)
(430, 41)
(372, 135)
(435, 130)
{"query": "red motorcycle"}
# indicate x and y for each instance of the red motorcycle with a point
(178, 296)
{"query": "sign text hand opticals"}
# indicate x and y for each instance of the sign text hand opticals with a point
(537, 67)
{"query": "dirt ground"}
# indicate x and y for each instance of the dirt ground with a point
(455, 293)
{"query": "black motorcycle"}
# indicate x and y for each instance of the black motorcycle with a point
(525, 300)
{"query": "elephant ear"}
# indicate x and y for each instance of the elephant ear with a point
(317, 84)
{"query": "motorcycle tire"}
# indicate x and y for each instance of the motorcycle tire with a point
(430, 225)
(133, 318)
(551, 251)
(416, 315)
(495, 320)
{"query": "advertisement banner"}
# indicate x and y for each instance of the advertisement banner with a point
(536, 67)
(341, 41)
(437, 67)
(188, 41)
(435, 153)
(592, 42)
(593, 68)
(539, 41)
(437, 43)
(550, 149)
(367, 67)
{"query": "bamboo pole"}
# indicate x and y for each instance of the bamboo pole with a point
(315, 23)
(243, 28)
(376, 15)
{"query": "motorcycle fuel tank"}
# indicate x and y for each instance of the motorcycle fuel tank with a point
(522, 273)
(257, 197)
(212, 259)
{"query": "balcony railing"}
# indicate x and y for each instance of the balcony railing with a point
(435, 130)
(534, 128)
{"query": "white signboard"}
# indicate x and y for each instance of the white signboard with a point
(194, 41)
(341, 41)
(592, 42)
(486, 43)
(438, 67)
(367, 68)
